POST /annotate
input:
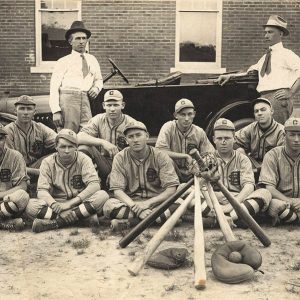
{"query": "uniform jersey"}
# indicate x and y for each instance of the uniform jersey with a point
(236, 172)
(12, 170)
(99, 127)
(258, 142)
(66, 182)
(143, 179)
(32, 145)
(170, 138)
(282, 172)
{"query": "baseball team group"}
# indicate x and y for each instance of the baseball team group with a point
(103, 166)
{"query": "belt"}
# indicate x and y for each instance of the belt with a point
(70, 91)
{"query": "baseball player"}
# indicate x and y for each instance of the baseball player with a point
(280, 174)
(68, 187)
(142, 177)
(102, 138)
(33, 140)
(236, 174)
(178, 137)
(13, 185)
(259, 137)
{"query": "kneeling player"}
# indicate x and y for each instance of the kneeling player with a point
(142, 177)
(13, 185)
(68, 187)
(280, 174)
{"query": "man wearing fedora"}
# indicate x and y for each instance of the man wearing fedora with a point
(75, 79)
(278, 71)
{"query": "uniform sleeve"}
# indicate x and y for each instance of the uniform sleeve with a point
(9, 142)
(89, 173)
(98, 80)
(281, 138)
(91, 128)
(49, 137)
(164, 138)
(247, 175)
(205, 145)
(167, 174)
(118, 179)
(19, 173)
(243, 138)
(45, 177)
(55, 83)
(269, 172)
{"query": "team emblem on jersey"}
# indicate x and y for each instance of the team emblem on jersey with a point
(5, 175)
(121, 142)
(37, 147)
(151, 175)
(234, 178)
(77, 182)
(190, 147)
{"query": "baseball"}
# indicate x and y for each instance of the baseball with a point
(235, 257)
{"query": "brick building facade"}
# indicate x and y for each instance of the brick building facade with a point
(139, 35)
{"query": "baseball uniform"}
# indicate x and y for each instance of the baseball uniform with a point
(12, 173)
(257, 141)
(170, 138)
(33, 145)
(139, 179)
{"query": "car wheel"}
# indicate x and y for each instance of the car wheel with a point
(239, 124)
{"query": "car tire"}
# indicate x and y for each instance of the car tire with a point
(239, 124)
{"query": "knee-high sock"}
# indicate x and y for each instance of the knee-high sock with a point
(288, 216)
(8, 209)
(253, 206)
(84, 210)
(46, 213)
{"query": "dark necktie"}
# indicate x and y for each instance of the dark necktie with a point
(266, 68)
(85, 68)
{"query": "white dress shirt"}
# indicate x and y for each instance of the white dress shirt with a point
(67, 75)
(285, 69)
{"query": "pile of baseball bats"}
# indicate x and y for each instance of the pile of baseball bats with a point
(200, 186)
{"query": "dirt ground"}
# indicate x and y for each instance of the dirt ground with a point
(76, 263)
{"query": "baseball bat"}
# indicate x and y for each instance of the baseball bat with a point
(199, 243)
(145, 223)
(208, 192)
(240, 211)
(159, 236)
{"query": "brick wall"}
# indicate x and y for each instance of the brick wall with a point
(139, 35)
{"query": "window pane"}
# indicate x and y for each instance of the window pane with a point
(198, 36)
(54, 27)
(198, 5)
(59, 4)
(46, 4)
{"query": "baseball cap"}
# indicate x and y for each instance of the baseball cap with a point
(25, 100)
(183, 103)
(259, 100)
(292, 124)
(135, 125)
(2, 130)
(113, 95)
(68, 135)
(225, 124)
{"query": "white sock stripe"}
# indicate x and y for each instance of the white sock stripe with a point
(284, 213)
(167, 213)
(254, 205)
(48, 214)
(83, 211)
(3, 210)
(292, 218)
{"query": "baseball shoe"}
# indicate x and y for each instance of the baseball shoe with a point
(40, 225)
(12, 225)
(208, 222)
(119, 225)
(94, 221)
(276, 207)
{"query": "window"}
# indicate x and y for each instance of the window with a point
(53, 19)
(198, 36)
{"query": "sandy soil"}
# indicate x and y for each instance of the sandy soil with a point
(81, 264)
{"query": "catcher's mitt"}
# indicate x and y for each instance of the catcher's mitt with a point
(235, 262)
(168, 256)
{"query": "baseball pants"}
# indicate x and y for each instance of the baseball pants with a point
(14, 204)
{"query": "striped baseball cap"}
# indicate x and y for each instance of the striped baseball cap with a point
(292, 124)
(224, 124)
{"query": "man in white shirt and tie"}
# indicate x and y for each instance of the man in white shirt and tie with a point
(75, 78)
(278, 71)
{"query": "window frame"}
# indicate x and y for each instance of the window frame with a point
(200, 67)
(40, 65)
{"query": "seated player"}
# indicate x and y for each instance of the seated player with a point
(178, 137)
(142, 177)
(102, 138)
(13, 185)
(32, 139)
(236, 174)
(280, 174)
(68, 187)
(259, 137)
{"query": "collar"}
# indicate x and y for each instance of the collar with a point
(3, 154)
(267, 128)
(75, 53)
(231, 157)
(277, 46)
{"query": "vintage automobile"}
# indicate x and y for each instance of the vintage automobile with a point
(153, 102)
